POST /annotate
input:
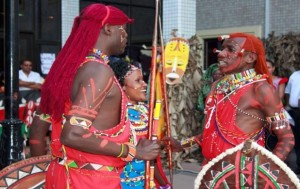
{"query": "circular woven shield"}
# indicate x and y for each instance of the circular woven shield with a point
(248, 165)
(28, 173)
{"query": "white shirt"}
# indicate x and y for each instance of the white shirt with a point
(32, 77)
(293, 89)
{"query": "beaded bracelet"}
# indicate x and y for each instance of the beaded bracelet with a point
(279, 120)
(188, 141)
(131, 152)
(277, 117)
(122, 151)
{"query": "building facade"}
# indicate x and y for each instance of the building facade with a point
(45, 25)
(258, 17)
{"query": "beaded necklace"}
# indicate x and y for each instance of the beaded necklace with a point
(138, 116)
(233, 82)
(231, 86)
(99, 55)
(133, 173)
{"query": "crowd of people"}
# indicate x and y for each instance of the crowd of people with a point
(99, 118)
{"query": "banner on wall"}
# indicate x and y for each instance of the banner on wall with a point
(47, 60)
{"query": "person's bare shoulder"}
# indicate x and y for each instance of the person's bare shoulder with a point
(95, 70)
(263, 88)
(266, 94)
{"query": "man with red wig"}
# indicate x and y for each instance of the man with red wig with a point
(91, 139)
(242, 104)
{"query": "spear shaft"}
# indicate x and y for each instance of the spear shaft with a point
(165, 101)
(152, 96)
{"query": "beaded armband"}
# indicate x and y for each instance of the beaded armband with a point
(131, 152)
(190, 142)
(80, 122)
(43, 117)
(279, 120)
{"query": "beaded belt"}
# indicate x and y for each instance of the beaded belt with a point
(89, 166)
(135, 179)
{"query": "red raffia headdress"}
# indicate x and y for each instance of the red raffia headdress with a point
(255, 45)
(86, 29)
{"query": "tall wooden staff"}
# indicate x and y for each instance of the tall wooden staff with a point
(151, 132)
(165, 102)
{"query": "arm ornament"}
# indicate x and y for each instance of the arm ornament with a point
(80, 122)
(131, 152)
(190, 142)
(83, 111)
(122, 151)
(279, 120)
(43, 117)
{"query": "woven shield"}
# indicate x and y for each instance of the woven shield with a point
(247, 166)
(28, 173)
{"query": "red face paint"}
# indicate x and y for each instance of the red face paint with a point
(34, 141)
(87, 135)
(103, 143)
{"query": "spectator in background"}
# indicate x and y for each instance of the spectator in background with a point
(30, 82)
(292, 92)
(211, 75)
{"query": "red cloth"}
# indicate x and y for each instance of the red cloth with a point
(283, 80)
(217, 138)
(81, 178)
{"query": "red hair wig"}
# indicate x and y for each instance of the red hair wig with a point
(255, 45)
(56, 90)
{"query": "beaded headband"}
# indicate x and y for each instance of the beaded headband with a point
(131, 70)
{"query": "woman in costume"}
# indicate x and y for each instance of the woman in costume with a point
(131, 80)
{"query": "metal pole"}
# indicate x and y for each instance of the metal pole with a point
(11, 143)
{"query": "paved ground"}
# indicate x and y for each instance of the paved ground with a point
(184, 179)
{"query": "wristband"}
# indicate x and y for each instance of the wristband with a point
(122, 151)
(131, 152)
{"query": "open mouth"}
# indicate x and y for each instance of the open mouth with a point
(222, 63)
(172, 76)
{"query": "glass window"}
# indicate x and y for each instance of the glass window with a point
(26, 15)
(50, 17)
(209, 56)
